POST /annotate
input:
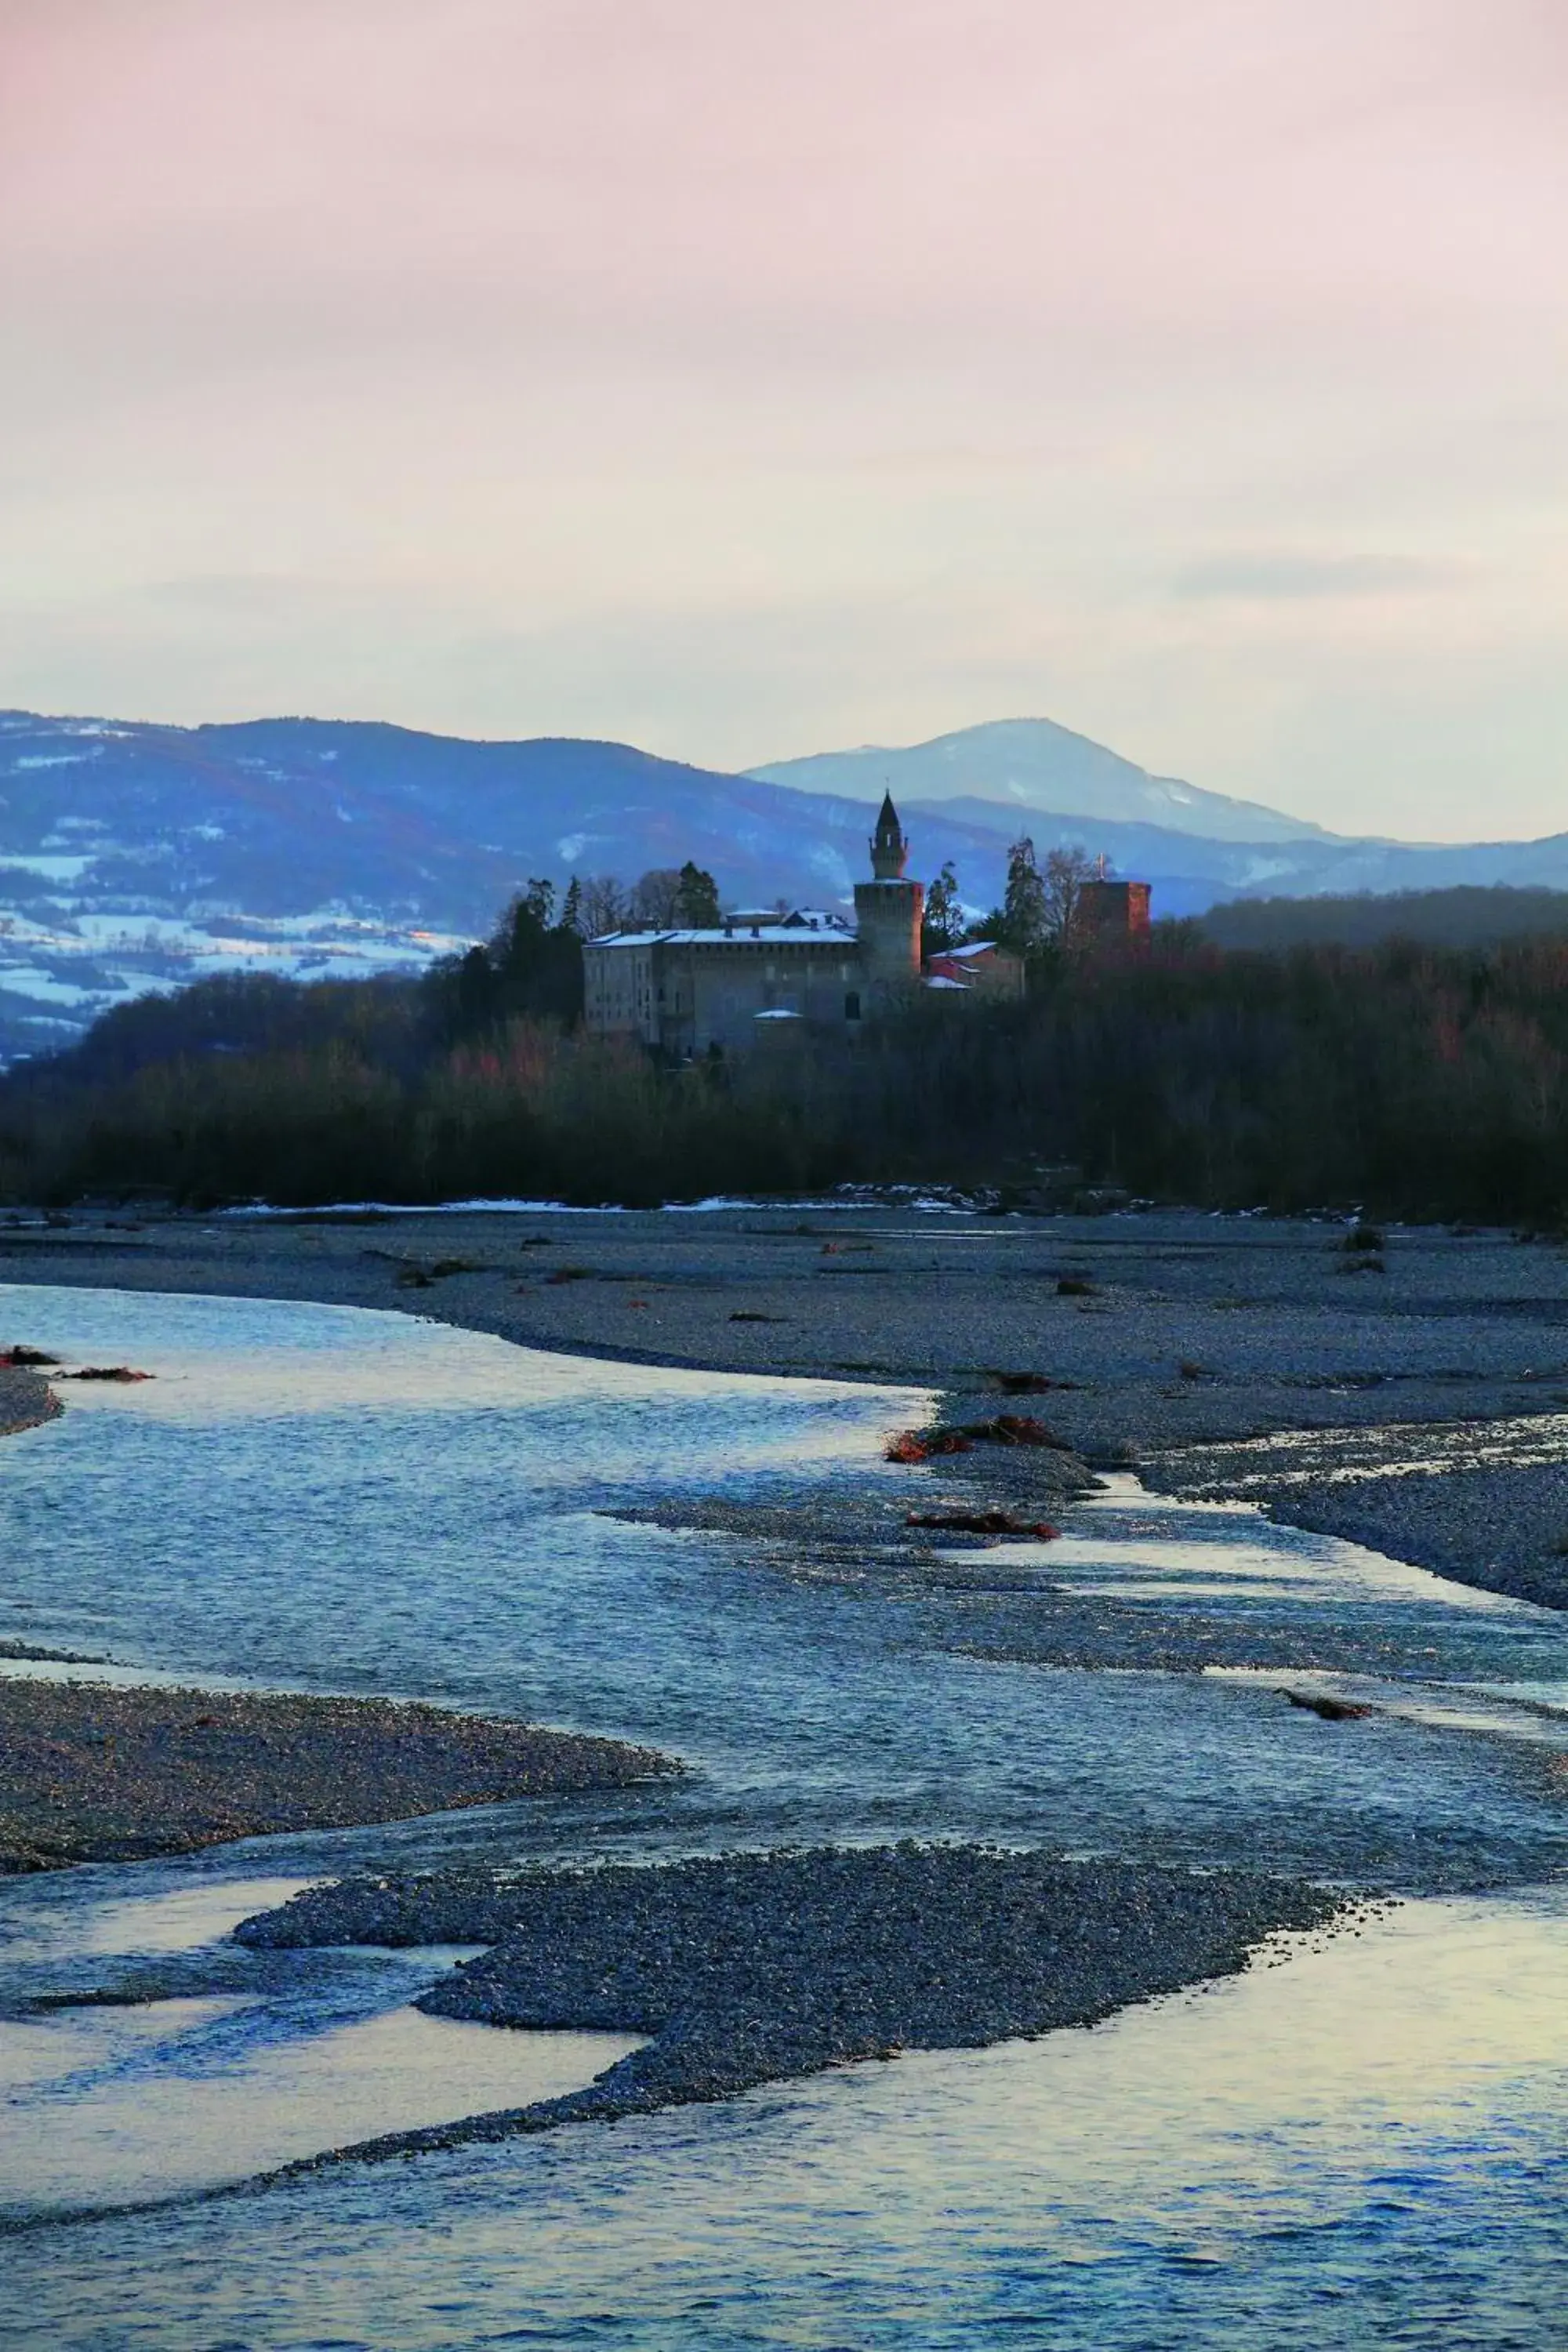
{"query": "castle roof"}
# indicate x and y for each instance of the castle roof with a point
(819, 931)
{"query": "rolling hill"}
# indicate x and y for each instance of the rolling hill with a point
(136, 856)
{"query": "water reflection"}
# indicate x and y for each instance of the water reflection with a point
(421, 1512)
(92, 2124)
(1361, 2145)
(337, 1501)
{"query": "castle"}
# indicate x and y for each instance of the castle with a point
(764, 975)
(687, 991)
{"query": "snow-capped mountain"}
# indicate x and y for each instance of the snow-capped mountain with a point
(135, 856)
(1021, 768)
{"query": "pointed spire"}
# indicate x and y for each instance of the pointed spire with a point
(890, 849)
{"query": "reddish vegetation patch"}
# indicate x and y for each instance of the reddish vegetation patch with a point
(919, 1446)
(984, 1523)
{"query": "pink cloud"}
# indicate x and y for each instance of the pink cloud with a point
(1008, 316)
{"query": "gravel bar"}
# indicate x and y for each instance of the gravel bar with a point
(92, 1772)
(1155, 1333)
(25, 1399)
(1483, 1502)
(752, 1968)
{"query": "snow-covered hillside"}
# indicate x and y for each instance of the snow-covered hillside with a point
(136, 858)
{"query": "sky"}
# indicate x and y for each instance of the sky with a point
(745, 378)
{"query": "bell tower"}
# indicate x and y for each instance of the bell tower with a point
(889, 846)
(887, 909)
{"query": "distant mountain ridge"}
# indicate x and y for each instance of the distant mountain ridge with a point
(135, 856)
(1033, 767)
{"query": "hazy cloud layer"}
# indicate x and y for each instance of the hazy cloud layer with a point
(748, 379)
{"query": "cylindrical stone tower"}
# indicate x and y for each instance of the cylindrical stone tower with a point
(887, 909)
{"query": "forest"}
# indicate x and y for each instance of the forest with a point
(1400, 1079)
(1469, 914)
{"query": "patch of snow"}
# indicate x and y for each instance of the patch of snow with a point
(854, 1197)
(29, 980)
(53, 869)
(513, 1208)
(51, 759)
(832, 933)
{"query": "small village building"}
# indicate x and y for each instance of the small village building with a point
(978, 968)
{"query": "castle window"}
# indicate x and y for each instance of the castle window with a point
(852, 1005)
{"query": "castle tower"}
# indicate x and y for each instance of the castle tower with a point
(890, 847)
(887, 909)
(1112, 913)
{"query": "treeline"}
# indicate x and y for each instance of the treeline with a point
(1406, 1081)
(1471, 915)
(530, 967)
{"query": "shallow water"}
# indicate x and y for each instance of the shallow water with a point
(88, 2090)
(340, 1501)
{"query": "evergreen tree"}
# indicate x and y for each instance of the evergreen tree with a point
(697, 899)
(1024, 908)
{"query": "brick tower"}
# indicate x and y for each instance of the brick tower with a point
(887, 909)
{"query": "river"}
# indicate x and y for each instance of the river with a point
(1362, 2144)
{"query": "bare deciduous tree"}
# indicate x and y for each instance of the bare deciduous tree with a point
(943, 924)
(1067, 870)
(603, 905)
(654, 899)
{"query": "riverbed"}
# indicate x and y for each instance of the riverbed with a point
(1361, 2142)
